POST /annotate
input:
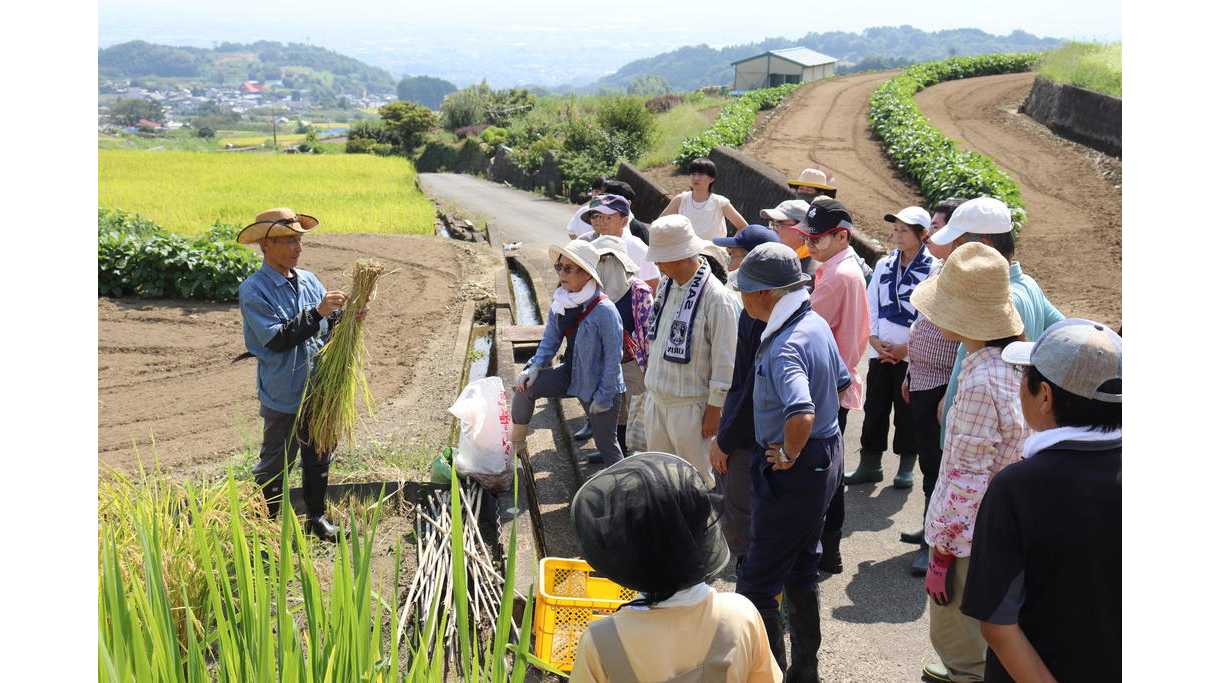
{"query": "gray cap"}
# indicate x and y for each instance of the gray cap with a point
(1076, 355)
(769, 266)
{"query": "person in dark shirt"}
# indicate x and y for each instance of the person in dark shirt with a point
(1046, 566)
(732, 449)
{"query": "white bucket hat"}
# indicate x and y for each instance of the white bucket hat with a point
(673, 238)
(615, 246)
(581, 253)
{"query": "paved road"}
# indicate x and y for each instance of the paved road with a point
(874, 617)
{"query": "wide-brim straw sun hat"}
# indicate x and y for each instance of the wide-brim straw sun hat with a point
(673, 238)
(611, 245)
(281, 222)
(971, 295)
(649, 523)
(581, 253)
(811, 177)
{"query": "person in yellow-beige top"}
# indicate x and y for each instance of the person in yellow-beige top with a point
(647, 523)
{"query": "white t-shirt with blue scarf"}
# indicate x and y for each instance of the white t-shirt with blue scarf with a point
(890, 312)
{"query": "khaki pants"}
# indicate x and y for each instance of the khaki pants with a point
(675, 425)
(633, 377)
(957, 638)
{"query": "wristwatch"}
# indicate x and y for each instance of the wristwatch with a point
(783, 456)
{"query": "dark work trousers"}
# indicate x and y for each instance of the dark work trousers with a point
(837, 512)
(926, 426)
(554, 383)
(277, 455)
(787, 514)
(883, 393)
(736, 487)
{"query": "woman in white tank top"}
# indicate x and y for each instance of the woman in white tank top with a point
(706, 210)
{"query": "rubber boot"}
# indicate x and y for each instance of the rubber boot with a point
(919, 565)
(905, 478)
(869, 471)
(831, 561)
(584, 433)
(916, 537)
(805, 625)
(314, 481)
(775, 636)
(272, 487)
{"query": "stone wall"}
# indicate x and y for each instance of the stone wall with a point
(650, 199)
(753, 186)
(1080, 115)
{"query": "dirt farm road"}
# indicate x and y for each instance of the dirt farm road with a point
(1072, 241)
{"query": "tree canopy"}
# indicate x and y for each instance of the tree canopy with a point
(425, 90)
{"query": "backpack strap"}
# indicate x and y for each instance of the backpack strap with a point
(611, 652)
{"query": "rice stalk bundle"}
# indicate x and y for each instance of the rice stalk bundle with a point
(338, 379)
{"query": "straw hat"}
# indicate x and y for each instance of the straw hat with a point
(276, 223)
(581, 253)
(673, 238)
(811, 177)
(970, 296)
(615, 246)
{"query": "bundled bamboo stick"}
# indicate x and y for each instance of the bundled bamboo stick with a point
(338, 379)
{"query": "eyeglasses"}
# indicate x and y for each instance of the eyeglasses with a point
(776, 225)
(565, 269)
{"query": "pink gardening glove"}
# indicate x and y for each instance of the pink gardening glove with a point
(939, 578)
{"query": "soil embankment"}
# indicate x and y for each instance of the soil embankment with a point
(168, 391)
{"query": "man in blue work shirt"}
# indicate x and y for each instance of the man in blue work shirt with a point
(286, 317)
(798, 462)
(989, 221)
(732, 449)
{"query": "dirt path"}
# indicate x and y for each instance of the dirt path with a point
(827, 124)
(1072, 242)
(167, 389)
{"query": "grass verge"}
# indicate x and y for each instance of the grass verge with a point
(1092, 66)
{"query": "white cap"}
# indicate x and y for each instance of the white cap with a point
(981, 216)
(912, 215)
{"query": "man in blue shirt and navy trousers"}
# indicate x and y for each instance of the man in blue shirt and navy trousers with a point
(286, 317)
(798, 462)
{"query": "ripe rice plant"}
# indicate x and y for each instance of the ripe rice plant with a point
(923, 153)
(338, 378)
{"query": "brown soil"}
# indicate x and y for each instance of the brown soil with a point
(167, 390)
(1072, 241)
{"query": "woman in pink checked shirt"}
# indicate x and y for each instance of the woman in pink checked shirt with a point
(969, 301)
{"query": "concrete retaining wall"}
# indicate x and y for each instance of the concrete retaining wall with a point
(753, 186)
(650, 199)
(1080, 115)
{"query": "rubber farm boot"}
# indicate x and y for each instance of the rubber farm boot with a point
(919, 565)
(869, 471)
(775, 636)
(831, 561)
(916, 537)
(272, 487)
(905, 478)
(314, 480)
(805, 624)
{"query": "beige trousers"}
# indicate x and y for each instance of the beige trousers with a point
(957, 638)
(675, 425)
(633, 377)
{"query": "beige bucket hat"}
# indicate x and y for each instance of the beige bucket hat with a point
(581, 253)
(971, 295)
(811, 177)
(673, 238)
(280, 222)
(615, 246)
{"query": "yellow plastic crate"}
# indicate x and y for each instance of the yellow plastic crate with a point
(569, 598)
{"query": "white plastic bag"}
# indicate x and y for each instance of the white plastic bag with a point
(484, 451)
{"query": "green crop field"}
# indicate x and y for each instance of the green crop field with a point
(188, 191)
(1092, 66)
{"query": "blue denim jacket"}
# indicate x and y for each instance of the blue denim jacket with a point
(597, 374)
(267, 301)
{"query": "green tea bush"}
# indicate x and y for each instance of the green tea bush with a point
(733, 124)
(922, 152)
(494, 135)
(138, 258)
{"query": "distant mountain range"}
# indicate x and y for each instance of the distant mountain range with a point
(691, 67)
(296, 65)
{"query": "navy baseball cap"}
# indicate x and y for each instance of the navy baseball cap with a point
(606, 203)
(748, 237)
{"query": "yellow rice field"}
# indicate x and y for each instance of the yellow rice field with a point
(188, 191)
